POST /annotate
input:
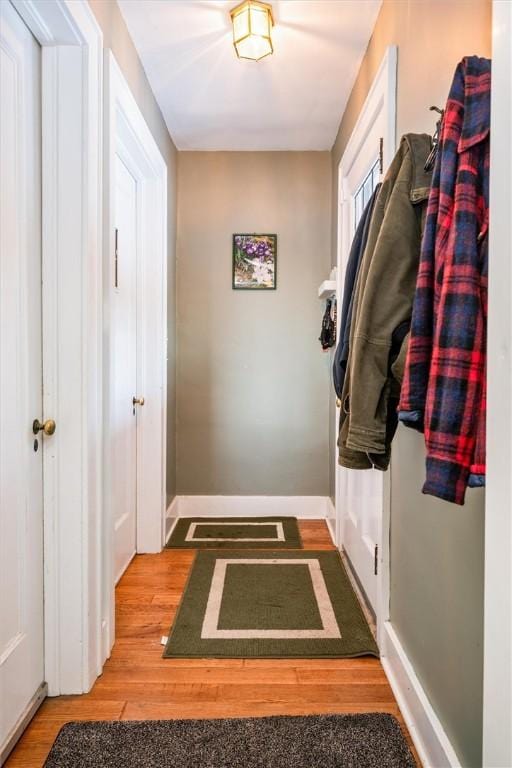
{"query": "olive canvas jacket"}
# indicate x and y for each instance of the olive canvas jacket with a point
(382, 309)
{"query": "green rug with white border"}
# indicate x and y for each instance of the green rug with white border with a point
(270, 604)
(235, 533)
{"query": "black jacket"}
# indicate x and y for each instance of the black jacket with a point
(356, 252)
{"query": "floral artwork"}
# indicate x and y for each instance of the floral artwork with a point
(254, 261)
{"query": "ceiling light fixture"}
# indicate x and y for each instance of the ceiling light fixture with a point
(252, 22)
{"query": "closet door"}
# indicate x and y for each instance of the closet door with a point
(21, 469)
(361, 492)
(124, 384)
(361, 522)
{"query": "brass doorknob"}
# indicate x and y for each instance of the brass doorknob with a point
(138, 401)
(48, 426)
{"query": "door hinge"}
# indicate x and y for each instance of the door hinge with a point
(376, 560)
(116, 257)
(381, 156)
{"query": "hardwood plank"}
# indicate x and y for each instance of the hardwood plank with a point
(209, 675)
(171, 711)
(66, 708)
(265, 691)
(343, 693)
(138, 684)
(361, 662)
(133, 659)
(179, 692)
(353, 675)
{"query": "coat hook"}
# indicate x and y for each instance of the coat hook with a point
(429, 163)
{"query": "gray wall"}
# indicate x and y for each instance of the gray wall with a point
(117, 38)
(437, 549)
(437, 595)
(252, 380)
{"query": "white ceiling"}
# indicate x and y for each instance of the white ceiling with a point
(211, 100)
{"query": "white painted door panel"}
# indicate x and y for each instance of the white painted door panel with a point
(361, 530)
(21, 483)
(124, 422)
(360, 493)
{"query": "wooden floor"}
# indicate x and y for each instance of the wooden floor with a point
(137, 684)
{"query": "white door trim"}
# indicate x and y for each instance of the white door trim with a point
(72, 63)
(126, 132)
(497, 713)
(381, 97)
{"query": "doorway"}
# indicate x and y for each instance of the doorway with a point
(361, 497)
(125, 364)
(78, 568)
(135, 299)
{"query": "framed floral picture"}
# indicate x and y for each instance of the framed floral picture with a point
(254, 262)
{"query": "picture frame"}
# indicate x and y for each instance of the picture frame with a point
(254, 262)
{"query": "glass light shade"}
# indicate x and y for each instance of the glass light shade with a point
(252, 23)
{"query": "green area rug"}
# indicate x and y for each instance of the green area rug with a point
(269, 604)
(235, 533)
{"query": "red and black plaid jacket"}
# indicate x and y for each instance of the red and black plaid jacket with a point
(444, 387)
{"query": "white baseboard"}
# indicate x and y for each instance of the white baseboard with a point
(171, 518)
(432, 744)
(331, 519)
(305, 507)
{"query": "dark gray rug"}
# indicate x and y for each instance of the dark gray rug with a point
(326, 741)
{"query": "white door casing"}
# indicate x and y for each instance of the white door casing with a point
(72, 59)
(21, 400)
(497, 703)
(362, 497)
(78, 535)
(123, 434)
(128, 139)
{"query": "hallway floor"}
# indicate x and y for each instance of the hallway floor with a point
(137, 684)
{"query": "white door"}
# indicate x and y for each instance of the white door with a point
(361, 492)
(124, 370)
(360, 509)
(21, 468)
